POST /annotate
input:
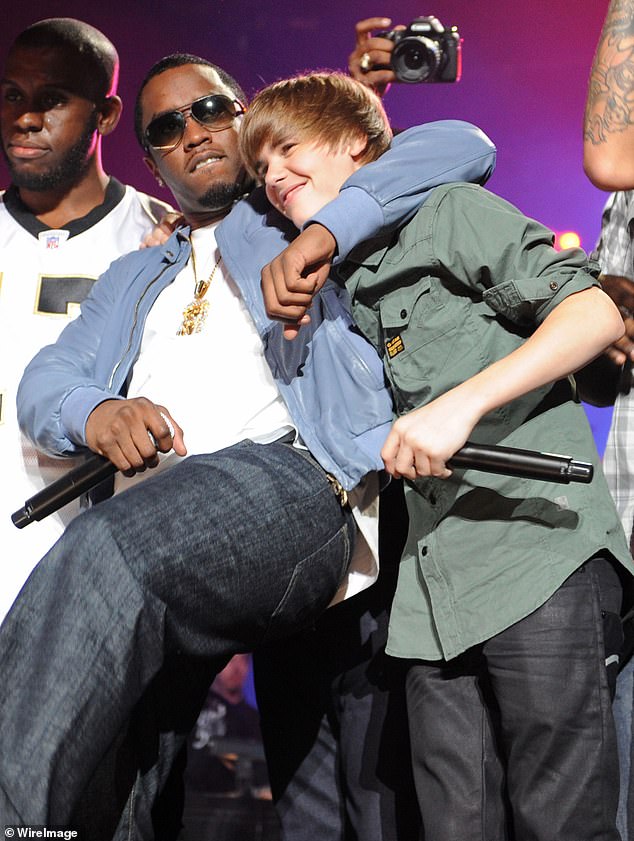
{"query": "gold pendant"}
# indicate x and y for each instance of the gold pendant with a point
(194, 317)
(194, 314)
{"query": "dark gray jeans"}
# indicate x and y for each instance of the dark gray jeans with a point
(105, 656)
(515, 738)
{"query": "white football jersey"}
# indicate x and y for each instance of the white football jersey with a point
(44, 275)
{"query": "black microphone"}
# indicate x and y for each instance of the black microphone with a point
(77, 481)
(525, 464)
(509, 461)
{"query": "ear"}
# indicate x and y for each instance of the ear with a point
(151, 165)
(357, 146)
(109, 113)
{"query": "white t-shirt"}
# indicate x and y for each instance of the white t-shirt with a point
(215, 383)
(44, 274)
(218, 386)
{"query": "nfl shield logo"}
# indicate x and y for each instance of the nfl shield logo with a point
(53, 239)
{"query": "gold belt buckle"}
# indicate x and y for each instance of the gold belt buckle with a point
(340, 492)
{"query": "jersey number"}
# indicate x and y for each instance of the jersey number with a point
(61, 295)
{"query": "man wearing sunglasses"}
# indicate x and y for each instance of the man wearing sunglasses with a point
(250, 538)
(62, 222)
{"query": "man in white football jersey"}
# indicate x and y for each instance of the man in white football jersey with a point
(62, 222)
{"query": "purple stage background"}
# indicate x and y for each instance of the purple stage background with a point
(525, 69)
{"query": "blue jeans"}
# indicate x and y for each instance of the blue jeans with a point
(532, 708)
(337, 746)
(107, 652)
(623, 706)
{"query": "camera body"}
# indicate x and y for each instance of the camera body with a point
(425, 51)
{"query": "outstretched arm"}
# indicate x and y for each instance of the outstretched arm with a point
(608, 141)
(422, 441)
(522, 278)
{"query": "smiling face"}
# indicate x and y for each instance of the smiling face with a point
(204, 171)
(304, 136)
(48, 125)
(300, 177)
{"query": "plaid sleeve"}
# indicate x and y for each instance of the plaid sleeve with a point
(615, 251)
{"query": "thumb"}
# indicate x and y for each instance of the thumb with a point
(178, 442)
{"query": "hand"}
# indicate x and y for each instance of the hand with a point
(621, 291)
(164, 230)
(291, 280)
(378, 50)
(421, 442)
(118, 430)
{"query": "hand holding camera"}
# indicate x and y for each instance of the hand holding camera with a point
(424, 51)
(371, 53)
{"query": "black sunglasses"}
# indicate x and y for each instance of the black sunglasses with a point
(215, 112)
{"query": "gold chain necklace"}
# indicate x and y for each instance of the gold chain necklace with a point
(194, 314)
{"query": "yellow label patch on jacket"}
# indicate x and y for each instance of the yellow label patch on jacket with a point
(394, 346)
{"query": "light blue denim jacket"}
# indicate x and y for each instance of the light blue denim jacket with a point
(330, 378)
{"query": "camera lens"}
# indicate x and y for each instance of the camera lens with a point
(415, 59)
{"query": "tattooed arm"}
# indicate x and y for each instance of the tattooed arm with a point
(608, 147)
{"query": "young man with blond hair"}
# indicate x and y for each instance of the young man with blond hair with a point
(509, 590)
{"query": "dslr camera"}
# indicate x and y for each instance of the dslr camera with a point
(425, 51)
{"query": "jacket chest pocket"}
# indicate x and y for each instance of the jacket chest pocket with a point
(419, 326)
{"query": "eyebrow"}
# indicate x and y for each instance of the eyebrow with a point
(51, 86)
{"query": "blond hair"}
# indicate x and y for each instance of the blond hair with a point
(326, 108)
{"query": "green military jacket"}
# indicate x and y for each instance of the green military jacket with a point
(460, 286)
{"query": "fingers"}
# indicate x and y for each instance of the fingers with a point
(402, 459)
(616, 355)
(287, 288)
(292, 279)
(124, 440)
(621, 290)
(623, 350)
(280, 303)
(166, 433)
(376, 55)
(380, 80)
(155, 237)
(626, 343)
(118, 430)
(369, 62)
(408, 464)
(162, 232)
(364, 27)
(291, 331)
(372, 67)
